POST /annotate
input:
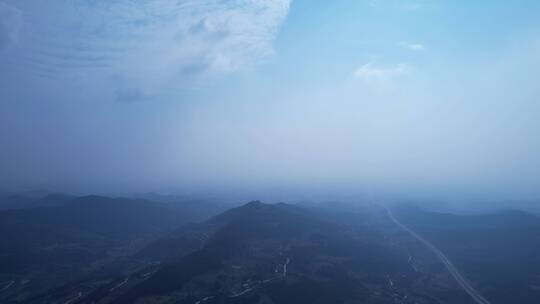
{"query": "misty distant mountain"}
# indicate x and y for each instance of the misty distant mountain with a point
(33, 199)
(198, 207)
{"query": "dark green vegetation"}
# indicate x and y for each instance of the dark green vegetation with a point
(56, 239)
(261, 253)
(101, 250)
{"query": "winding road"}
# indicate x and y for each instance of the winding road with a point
(475, 295)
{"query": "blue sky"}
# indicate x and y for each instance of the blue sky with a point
(437, 97)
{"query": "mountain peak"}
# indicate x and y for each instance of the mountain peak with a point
(255, 203)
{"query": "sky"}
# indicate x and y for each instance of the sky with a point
(424, 98)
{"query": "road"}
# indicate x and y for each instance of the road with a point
(285, 267)
(7, 286)
(79, 295)
(411, 262)
(119, 285)
(471, 291)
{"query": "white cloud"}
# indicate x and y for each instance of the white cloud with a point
(370, 72)
(149, 44)
(413, 46)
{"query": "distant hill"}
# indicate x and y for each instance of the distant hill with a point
(61, 237)
(282, 253)
(26, 200)
(118, 251)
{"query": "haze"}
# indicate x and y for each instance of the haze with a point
(422, 98)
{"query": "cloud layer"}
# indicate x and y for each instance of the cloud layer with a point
(343, 106)
(144, 45)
